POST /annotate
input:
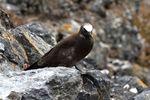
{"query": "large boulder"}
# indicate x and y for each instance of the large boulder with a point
(58, 83)
(42, 84)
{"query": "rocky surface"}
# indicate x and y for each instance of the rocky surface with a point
(145, 95)
(116, 69)
(45, 84)
(53, 83)
(131, 86)
(31, 36)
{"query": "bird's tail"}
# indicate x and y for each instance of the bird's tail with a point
(33, 66)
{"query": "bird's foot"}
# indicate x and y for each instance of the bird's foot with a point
(25, 66)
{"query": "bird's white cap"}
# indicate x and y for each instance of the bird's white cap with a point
(88, 27)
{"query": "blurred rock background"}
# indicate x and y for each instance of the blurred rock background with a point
(120, 56)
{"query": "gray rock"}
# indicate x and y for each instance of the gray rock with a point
(31, 7)
(42, 84)
(5, 22)
(46, 34)
(14, 96)
(12, 53)
(98, 8)
(123, 39)
(145, 95)
(86, 64)
(31, 38)
(47, 8)
(2, 47)
(99, 54)
(16, 46)
(125, 87)
(95, 89)
(58, 83)
(120, 67)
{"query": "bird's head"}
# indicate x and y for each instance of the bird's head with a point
(86, 30)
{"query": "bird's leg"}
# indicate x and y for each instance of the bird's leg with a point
(77, 68)
(86, 74)
(25, 66)
(82, 71)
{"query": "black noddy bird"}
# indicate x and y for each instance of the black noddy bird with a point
(68, 51)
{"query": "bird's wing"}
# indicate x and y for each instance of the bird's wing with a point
(62, 47)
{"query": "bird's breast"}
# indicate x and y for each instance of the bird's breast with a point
(84, 47)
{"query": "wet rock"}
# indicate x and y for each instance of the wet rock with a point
(31, 38)
(145, 95)
(42, 84)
